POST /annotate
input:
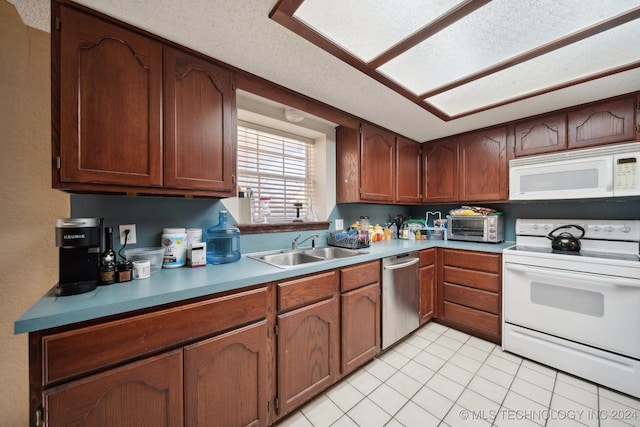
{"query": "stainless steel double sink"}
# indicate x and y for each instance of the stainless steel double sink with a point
(291, 257)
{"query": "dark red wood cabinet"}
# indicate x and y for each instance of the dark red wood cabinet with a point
(360, 314)
(200, 124)
(133, 114)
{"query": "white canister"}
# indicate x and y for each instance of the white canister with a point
(194, 235)
(141, 269)
(174, 242)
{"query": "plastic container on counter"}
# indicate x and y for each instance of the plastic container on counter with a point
(153, 255)
(174, 242)
(223, 242)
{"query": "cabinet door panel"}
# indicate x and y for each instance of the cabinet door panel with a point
(110, 103)
(440, 171)
(473, 260)
(226, 379)
(377, 164)
(483, 166)
(485, 323)
(75, 352)
(408, 177)
(542, 135)
(308, 355)
(474, 298)
(475, 279)
(427, 293)
(359, 275)
(605, 123)
(305, 290)
(360, 326)
(146, 393)
(199, 124)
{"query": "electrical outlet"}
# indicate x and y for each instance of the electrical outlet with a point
(131, 240)
(339, 224)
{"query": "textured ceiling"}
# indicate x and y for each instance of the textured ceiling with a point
(240, 33)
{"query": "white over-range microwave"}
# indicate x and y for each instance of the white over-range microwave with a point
(611, 171)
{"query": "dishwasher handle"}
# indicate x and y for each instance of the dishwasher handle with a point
(402, 264)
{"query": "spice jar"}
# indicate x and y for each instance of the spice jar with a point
(123, 271)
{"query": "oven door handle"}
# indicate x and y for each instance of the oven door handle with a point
(617, 281)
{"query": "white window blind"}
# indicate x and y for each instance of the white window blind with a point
(277, 165)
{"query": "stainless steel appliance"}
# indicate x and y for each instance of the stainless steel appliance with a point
(476, 228)
(79, 243)
(576, 310)
(400, 297)
(610, 171)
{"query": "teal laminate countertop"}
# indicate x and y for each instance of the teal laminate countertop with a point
(179, 284)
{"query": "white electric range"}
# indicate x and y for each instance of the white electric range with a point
(576, 311)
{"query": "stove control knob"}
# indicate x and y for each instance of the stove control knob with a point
(625, 229)
(608, 229)
(595, 228)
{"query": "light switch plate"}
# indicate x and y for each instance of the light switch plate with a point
(339, 224)
(131, 240)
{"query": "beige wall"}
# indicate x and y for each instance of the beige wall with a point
(28, 205)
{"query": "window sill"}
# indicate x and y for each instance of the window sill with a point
(282, 227)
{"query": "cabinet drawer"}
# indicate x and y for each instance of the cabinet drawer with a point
(427, 257)
(306, 290)
(359, 275)
(475, 298)
(476, 319)
(473, 260)
(83, 350)
(475, 279)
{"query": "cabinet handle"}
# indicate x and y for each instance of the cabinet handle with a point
(39, 417)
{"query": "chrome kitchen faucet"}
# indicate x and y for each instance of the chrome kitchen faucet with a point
(295, 243)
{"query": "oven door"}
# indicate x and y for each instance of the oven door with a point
(594, 309)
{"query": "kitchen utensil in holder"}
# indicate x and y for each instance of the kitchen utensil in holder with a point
(436, 232)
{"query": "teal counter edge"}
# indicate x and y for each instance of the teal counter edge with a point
(181, 284)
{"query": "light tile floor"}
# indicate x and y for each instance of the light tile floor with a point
(443, 377)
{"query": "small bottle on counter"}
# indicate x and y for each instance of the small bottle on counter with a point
(123, 271)
(107, 259)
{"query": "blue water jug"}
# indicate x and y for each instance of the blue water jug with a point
(223, 242)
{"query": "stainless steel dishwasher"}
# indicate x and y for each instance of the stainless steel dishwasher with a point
(400, 297)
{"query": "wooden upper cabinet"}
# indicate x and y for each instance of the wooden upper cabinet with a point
(440, 171)
(109, 105)
(604, 123)
(377, 164)
(541, 135)
(199, 123)
(408, 160)
(483, 165)
(373, 165)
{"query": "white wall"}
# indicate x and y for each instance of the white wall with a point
(28, 207)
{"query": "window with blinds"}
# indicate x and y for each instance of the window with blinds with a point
(276, 165)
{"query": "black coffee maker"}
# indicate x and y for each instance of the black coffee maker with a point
(79, 243)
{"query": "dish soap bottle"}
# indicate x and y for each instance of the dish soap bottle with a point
(223, 242)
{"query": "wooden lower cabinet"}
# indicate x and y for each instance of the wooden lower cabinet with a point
(144, 393)
(427, 285)
(226, 379)
(308, 352)
(201, 363)
(360, 315)
(470, 293)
